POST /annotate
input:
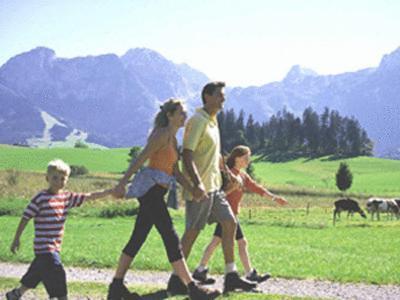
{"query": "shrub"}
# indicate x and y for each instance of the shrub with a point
(81, 144)
(78, 170)
(12, 177)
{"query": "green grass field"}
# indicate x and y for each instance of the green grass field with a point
(298, 241)
(371, 176)
(286, 242)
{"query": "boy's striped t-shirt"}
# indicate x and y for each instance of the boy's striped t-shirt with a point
(49, 212)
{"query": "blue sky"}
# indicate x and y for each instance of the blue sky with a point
(245, 43)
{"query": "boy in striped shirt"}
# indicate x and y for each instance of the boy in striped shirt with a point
(49, 209)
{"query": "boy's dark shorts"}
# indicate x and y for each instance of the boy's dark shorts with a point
(47, 268)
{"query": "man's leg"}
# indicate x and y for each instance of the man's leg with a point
(222, 213)
(228, 241)
(188, 239)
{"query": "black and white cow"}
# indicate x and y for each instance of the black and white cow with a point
(349, 205)
(378, 205)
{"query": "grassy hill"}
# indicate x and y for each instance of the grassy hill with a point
(36, 159)
(371, 176)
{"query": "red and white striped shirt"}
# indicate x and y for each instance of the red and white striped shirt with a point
(50, 212)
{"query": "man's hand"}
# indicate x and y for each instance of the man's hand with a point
(14, 246)
(199, 193)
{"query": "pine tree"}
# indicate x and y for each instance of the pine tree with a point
(344, 178)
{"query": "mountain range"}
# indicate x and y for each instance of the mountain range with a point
(111, 100)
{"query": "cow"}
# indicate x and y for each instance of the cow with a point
(349, 205)
(378, 205)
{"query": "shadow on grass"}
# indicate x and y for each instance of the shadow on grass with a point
(161, 294)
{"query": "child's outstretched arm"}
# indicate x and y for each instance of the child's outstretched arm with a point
(259, 189)
(100, 194)
(20, 229)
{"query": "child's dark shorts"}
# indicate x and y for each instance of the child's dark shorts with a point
(239, 232)
(47, 268)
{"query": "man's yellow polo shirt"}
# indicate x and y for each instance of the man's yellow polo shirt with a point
(202, 137)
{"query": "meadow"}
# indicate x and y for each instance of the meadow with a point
(371, 176)
(297, 241)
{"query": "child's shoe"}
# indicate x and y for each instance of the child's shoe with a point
(15, 294)
(176, 286)
(203, 277)
(254, 276)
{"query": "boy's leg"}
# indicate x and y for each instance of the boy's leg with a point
(53, 276)
(29, 281)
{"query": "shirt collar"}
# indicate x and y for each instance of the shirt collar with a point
(205, 114)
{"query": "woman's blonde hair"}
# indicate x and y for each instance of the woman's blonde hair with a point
(238, 151)
(168, 107)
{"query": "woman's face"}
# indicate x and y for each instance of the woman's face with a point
(178, 117)
(242, 162)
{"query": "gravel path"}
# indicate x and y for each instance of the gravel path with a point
(292, 287)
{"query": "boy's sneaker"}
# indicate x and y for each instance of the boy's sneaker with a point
(202, 276)
(176, 286)
(118, 291)
(254, 276)
(234, 282)
(15, 294)
(200, 293)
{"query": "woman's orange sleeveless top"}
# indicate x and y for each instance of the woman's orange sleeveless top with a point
(164, 159)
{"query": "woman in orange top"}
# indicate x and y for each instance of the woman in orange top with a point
(150, 186)
(237, 161)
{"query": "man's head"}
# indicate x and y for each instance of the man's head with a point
(57, 174)
(213, 95)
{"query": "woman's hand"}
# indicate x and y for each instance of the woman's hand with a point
(119, 191)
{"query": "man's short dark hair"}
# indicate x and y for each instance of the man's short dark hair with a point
(210, 88)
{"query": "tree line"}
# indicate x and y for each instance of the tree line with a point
(286, 136)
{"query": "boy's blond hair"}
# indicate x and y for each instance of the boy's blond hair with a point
(59, 166)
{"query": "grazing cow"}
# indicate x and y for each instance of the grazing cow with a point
(377, 205)
(398, 202)
(349, 205)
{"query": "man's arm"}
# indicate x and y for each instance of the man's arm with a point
(20, 229)
(190, 166)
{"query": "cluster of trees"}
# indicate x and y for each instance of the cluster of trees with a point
(285, 136)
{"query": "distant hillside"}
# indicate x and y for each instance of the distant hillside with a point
(112, 99)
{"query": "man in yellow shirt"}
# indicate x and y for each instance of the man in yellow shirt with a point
(201, 163)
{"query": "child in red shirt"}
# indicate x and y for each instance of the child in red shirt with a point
(238, 161)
